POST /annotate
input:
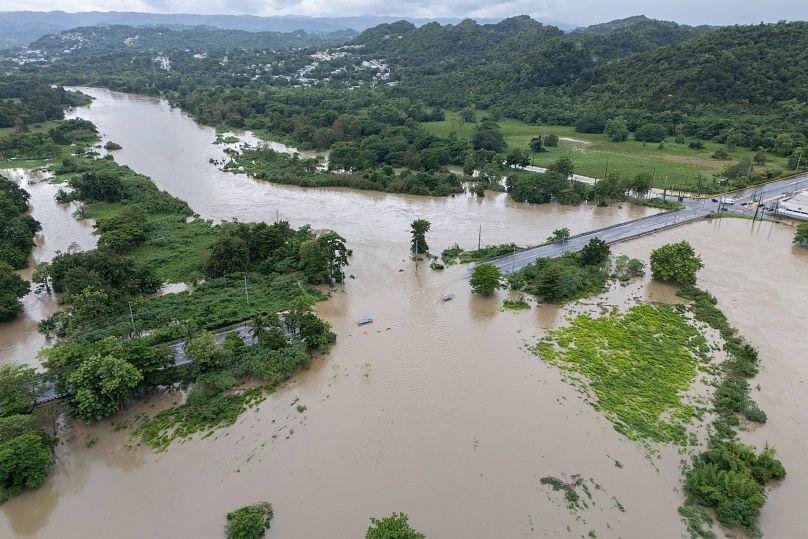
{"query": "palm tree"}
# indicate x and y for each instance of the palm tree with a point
(259, 327)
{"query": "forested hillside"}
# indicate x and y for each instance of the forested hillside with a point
(93, 40)
(703, 89)
(615, 39)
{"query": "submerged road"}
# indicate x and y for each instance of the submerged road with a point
(694, 209)
(244, 330)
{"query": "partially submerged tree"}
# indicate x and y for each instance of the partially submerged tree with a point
(100, 385)
(485, 279)
(12, 288)
(19, 388)
(249, 522)
(396, 526)
(801, 235)
(419, 228)
(676, 263)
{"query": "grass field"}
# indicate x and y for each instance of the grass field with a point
(592, 153)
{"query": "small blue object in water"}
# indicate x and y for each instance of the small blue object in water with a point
(365, 320)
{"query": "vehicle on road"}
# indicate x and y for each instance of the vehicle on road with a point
(728, 200)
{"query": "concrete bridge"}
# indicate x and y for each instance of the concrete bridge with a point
(695, 209)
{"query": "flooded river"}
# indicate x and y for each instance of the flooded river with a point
(19, 339)
(436, 409)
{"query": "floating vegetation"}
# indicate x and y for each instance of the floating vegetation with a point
(568, 488)
(518, 304)
(638, 365)
(579, 492)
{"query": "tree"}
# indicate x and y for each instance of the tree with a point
(559, 234)
(468, 115)
(323, 258)
(203, 351)
(651, 133)
(797, 160)
(676, 263)
(19, 388)
(617, 129)
(590, 122)
(418, 229)
(396, 526)
(801, 235)
(24, 462)
(551, 141)
(12, 288)
(89, 307)
(536, 145)
(563, 166)
(230, 254)
(641, 183)
(485, 279)
(518, 157)
(760, 157)
(487, 136)
(100, 385)
(249, 522)
(595, 253)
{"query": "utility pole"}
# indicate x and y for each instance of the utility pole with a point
(480, 238)
(132, 318)
(665, 190)
(246, 291)
(760, 201)
(513, 259)
(799, 158)
(606, 172)
(416, 255)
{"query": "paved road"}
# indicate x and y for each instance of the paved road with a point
(575, 177)
(694, 209)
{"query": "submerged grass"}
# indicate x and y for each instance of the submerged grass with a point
(203, 412)
(638, 365)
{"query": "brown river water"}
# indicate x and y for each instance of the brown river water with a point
(436, 409)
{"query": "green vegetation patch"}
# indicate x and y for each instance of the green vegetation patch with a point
(203, 412)
(249, 522)
(457, 255)
(638, 365)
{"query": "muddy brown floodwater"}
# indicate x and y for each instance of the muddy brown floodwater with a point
(435, 409)
(19, 339)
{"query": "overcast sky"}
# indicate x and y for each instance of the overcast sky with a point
(572, 11)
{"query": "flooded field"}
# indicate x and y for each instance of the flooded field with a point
(436, 409)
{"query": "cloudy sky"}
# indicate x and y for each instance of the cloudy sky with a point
(572, 11)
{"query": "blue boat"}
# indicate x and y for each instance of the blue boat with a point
(365, 320)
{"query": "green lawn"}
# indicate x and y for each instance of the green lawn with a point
(591, 153)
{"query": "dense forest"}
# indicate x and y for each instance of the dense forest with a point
(92, 40)
(25, 101)
(741, 84)
(368, 99)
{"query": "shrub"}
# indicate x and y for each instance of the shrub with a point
(651, 133)
(393, 527)
(249, 522)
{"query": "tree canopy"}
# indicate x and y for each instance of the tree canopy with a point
(676, 263)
